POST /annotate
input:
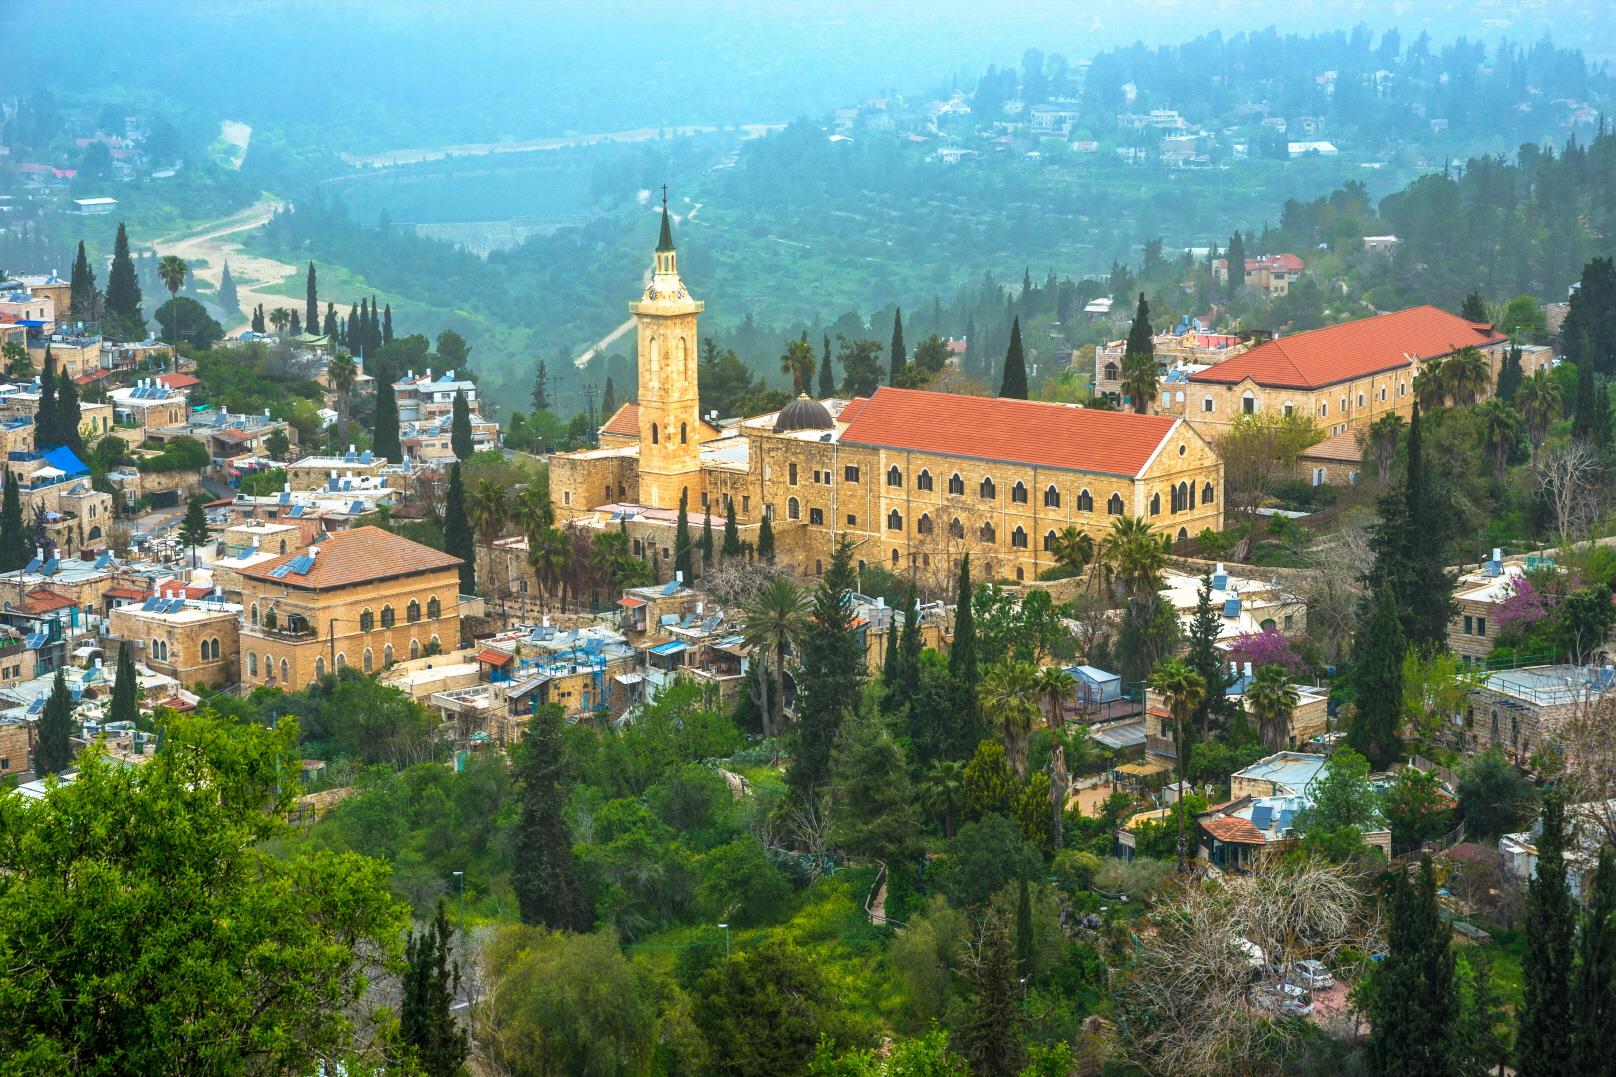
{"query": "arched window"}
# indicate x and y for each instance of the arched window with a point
(434, 608)
(684, 434)
(283, 671)
(654, 439)
(1172, 498)
(987, 490)
(1495, 727)
(255, 613)
(956, 485)
(1085, 501)
(319, 668)
(923, 525)
(387, 655)
(681, 356)
(206, 655)
(437, 648)
(217, 649)
(415, 648)
(894, 520)
(1113, 505)
(1206, 494)
(1111, 372)
(1051, 497)
(1018, 538)
(1248, 403)
(368, 660)
(1183, 534)
(894, 476)
(793, 508)
(367, 621)
(412, 612)
(1049, 541)
(1021, 573)
(342, 660)
(389, 618)
(252, 663)
(987, 534)
(1018, 493)
(1155, 504)
(923, 480)
(895, 558)
(956, 529)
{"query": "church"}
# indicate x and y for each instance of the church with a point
(915, 479)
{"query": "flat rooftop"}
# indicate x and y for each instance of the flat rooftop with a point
(1293, 770)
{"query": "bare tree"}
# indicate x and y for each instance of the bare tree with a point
(1259, 453)
(1569, 476)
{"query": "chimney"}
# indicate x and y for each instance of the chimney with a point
(428, 373)
(286, 487)
(313, 552)
(700, 608)
(1498, 554)
(679, 576)
(547, 620)
(39, 551)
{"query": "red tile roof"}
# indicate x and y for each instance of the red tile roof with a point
(625, 422)
(358, 555)
(493, 657)
(1342, 447)
(1010, 431)
(179, 381)
(42, 600)
(135, 593)
(1231, 828)
(1351, 350)
(852, 409)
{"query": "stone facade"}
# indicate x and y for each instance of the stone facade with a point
(200, 644)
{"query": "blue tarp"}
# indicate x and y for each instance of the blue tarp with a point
(673, 647)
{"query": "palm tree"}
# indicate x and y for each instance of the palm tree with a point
(1054, 686)
(172, 271)
(1133, 554)
(487, 511)
(1501, 427)
(1468, 374)
(279, 319)
(1271, 698)
(1433, 384)
(772, 623)
(1073, 548)
(798, 361)
(942, 791)
(549, 553)
(342, 372)
(531, 510)
(1010, 690)
(1540, 402)
(1183, 689)
(1384, 434)
(1139, 380)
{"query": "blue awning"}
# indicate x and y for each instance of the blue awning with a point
(673, 647)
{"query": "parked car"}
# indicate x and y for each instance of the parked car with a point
(1288, 999)
(1309, 974)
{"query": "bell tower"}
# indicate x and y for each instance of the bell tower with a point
(670, 413)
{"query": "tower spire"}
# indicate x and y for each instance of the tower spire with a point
(666, 242)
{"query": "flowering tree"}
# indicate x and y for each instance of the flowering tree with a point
(1266, 648)
(1522, 608)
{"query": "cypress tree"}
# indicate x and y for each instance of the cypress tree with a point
(227, 291)
(14, 549)
(968, 360)
(426, 1020)
(1510, 375)
(47, 430)
(541, 389)
(1474, 308)
(889, 661)
(1408, 541)
(1413, 1008)
(53, 752)
(988, 1036)
(830, 675)
(258, 319)
(82, 293)
(900, 355)
(1205, 658)
(706, 542)
(765, 542)
(962, 656)
(1585, 409)
(194, 528)
(68, 415)
(909, 647)
(296, 328)
(387, 324)
(311, 302)
(544, 872)
(1014, 385)
(608, 399)
(827, 378)
(374, 337)
(330, 329)
(1377, 677)
(1024, 939)
(1593, 985)
(123, 290)
(460, 427)
(1543, 1046)
(457, 539)
(684, 560)
(732, 534)
(1237, 262)
(1141, 341)
(356, 332)
(125, 706)
(384, 436)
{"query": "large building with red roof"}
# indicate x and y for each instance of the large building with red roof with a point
(1344, 376)
(917, 479)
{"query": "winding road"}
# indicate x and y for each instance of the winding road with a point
(212, 243)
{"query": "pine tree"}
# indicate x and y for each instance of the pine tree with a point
(457, 540)
(68, 415)
(544, 872)
(227, 291)
(1236, 260)
(1205, 659)
(608, 399)
(827, 377)
(53, 752)
(1413, 1008)
(541, 389)
(1014, 385)
(1377, 677)
(82, 293)
(426, 1020)
(1474, 308)
(988, 1035)
(1542, 1046)
(1024, 939)
(194, 528)
(384, 437)
(125, 706)
(1510, 375)
(1584, 412)
(14, 548)
(732, 533)
(311, 302)
(47, 429)
(706, 542)
(684, 561)
(830, 674)
(460, 427)
(765, 542)
(1593, 985)
(123, 290)
(387, 324)
(900, 356)
(972, 349)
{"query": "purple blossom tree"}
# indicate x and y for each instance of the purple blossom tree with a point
(1523, 607)
(1266, 648)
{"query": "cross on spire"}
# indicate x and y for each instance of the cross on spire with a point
(666, 241)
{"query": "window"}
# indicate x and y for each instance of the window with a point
(1207, 405)
(894, 520)
(895, 558)
(923, 480)
(1051, 497)
(1402, 387)
(412, 612)
(987, 534)
(746, 504)
(791, 473)
(216, 649)
(923, 525)
(319, 669)
(367, 621)
(1018, 493)
(956, 485)
(793, 508)
(956, 529)
(1018, 538)
(342, 660)
(1206, 494)
(987, 490)
(415, 648)
(389, 618)
(1343, 405)
(1113, 505)
(816, 516)
(368, 662)
(1110, 372)
(387, 655)
(434, 608)
(1360, 400)
(1289, 411)
(894, 476)
(255, 613)
(252, 663)
(1324, 409)
(852, 521)
(1248, 403)
(654, 434)
(1468, 624)
(1085, 501)
(1049, 541)
(1383, 392)
(1481, 626)
(1155, 504)
(683, 434)
(283, 670)
(850, 473)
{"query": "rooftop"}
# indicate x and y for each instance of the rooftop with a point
(355, 556)
(1293, 771)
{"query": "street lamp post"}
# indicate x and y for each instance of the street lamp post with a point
(460, 878)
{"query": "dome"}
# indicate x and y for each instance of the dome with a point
(803, 414)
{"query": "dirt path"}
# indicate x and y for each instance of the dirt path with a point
(478, 149)
(252, 273)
